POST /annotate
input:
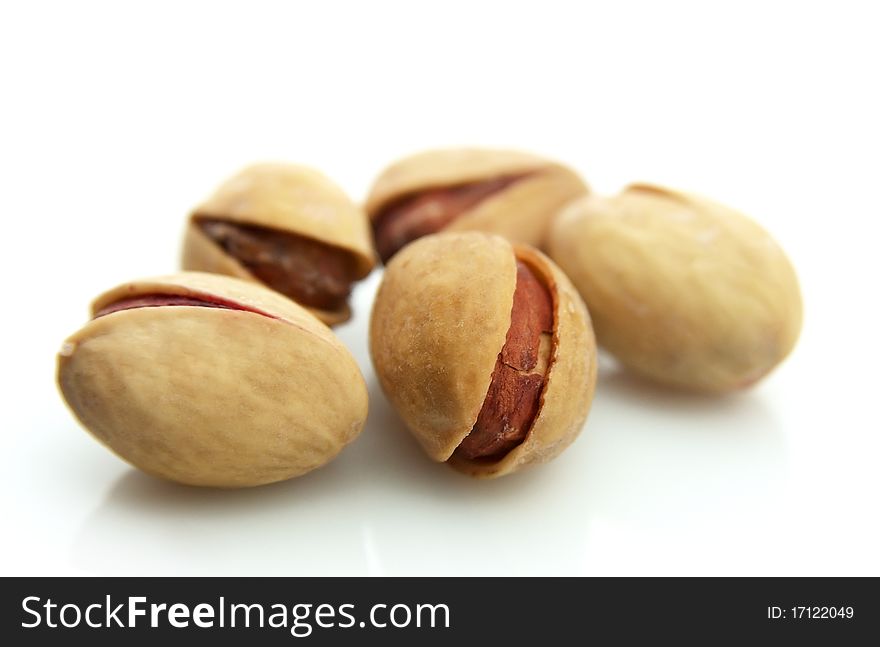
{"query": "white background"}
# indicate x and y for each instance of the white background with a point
(117, 118)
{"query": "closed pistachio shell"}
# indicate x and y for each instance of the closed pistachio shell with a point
(509, 193)
(682, 290)
(439, 324)
(209, 380)
(327, 236)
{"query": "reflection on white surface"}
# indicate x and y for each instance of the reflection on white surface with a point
(150, 527)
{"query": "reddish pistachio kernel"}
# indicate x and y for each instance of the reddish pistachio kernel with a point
(310, 272)
(427, 212)
(162, 300)
(514, 396)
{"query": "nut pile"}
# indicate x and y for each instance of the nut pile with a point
(498, 265)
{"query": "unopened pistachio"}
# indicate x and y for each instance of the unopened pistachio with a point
(681, 290)
(504, 192)
(485, 350)
(289, 228)
(209, 380)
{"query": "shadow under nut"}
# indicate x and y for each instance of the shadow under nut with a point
(312, 273)
(514, 397)
(426, 212)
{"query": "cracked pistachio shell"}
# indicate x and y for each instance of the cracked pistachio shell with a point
(440, 320)
(520, 212)
(681, 290)
(288, 198)
(213, 396)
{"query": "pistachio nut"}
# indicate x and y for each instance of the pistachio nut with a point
(681, 290)
(209, 380)
(503, 192)
(288, 227)
(485, 350)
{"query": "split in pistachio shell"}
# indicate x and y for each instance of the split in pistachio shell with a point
(485, 350)
(289, 228)
(682, 290)
(508, 193)
(209, 380)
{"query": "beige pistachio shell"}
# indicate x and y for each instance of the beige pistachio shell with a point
(288, 198)
(295, 199)
(439, 321)
(682, 290)
(520, 213)
(213, 396)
